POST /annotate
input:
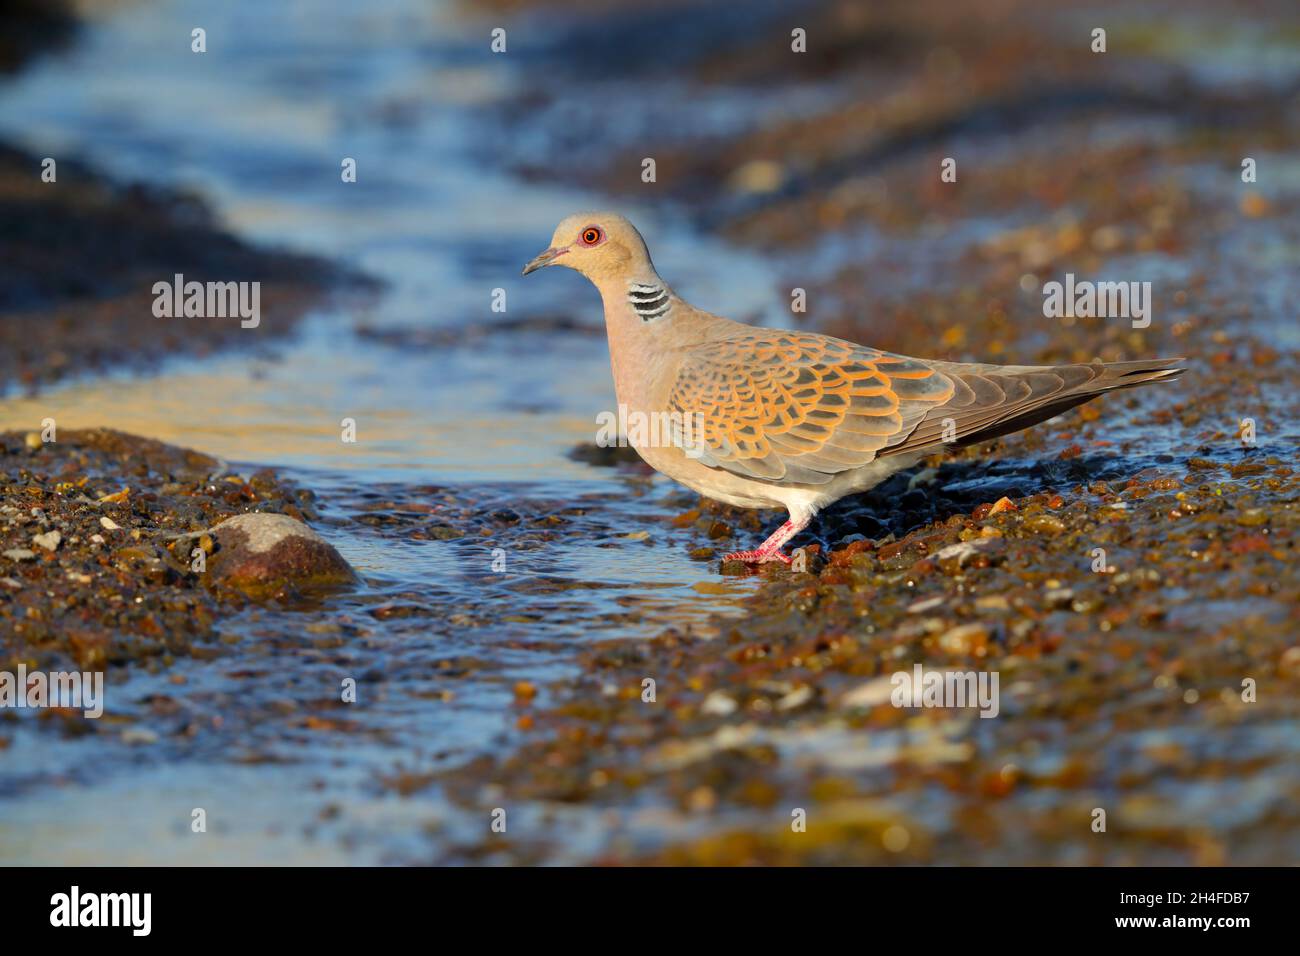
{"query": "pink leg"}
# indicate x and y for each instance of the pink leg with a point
(770, 550)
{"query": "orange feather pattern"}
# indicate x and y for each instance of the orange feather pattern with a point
(802, 407)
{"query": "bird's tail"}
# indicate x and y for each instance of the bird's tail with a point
(1128, 374)
(1108, 377)
(994, 400)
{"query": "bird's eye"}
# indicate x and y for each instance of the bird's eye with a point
(591, 235)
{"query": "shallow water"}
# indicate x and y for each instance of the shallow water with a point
(259, 125)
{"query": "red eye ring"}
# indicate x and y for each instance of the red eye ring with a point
(592, 235)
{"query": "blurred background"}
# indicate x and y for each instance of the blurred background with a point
(775, 169)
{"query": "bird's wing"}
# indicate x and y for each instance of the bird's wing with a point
(799, 407)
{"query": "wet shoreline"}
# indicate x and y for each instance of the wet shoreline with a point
(81, 260)
(524, 686)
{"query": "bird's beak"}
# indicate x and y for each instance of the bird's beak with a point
(544, 259)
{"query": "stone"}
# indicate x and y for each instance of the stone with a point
(263, 554)
(50, 541)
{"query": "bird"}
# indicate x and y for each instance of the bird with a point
(767, 418)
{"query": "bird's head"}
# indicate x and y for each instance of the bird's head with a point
(600, 245)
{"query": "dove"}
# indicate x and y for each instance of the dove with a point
(764, 418)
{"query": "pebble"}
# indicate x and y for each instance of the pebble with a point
(796, 698)
(1003, 504)
(1045, 524)
(926, 604)
(962, 551)
(870, 694)
(1252, 518)
(964, 638)
(20, 554)
(719, 704)
(1059, 597)
(50, 541)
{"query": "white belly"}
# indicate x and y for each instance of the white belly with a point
(742, 492)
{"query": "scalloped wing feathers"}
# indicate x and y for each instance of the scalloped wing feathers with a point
(803, 408)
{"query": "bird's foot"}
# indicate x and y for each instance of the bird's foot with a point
(761, 556)
(770, 550)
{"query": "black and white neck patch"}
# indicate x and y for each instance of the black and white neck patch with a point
(650, 300)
